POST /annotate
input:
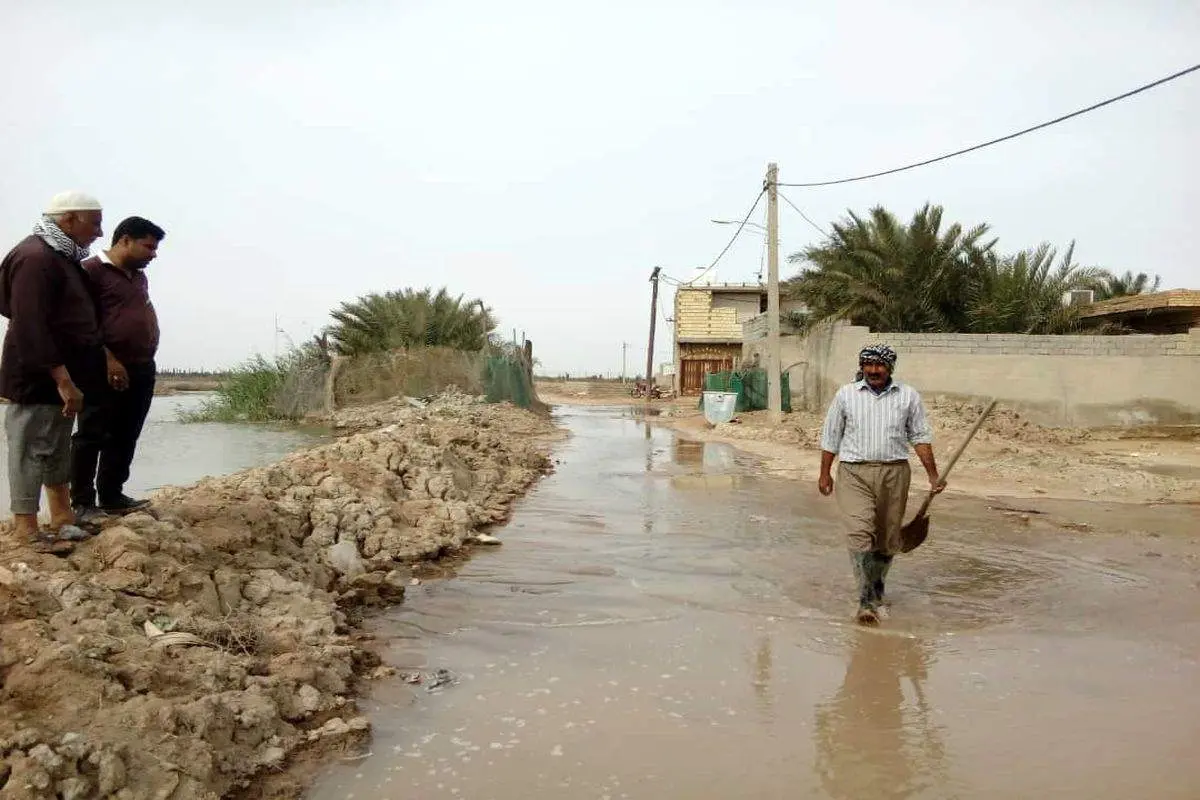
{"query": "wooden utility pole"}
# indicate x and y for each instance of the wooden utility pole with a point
(653, 319)
(774, 357)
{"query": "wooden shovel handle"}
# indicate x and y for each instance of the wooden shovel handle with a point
(958, 452)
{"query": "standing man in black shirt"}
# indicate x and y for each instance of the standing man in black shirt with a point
(109, 429)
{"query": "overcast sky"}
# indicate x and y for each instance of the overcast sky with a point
(544, 156)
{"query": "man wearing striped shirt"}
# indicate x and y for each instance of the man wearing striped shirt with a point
(868, 428)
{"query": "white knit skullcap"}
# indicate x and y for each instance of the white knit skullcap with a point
(63, 202)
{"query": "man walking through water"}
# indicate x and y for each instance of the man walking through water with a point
(53, 357)
(109, 426)
(868, 428)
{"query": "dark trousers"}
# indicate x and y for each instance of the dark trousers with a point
(104, 443)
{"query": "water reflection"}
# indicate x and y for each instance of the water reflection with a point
(869, 741)
(763, 662)
(709, 456)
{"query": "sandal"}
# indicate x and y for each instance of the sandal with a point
(45, 541)
(63, 533)
(72, 533)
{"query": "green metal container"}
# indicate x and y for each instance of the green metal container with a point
(750, 386)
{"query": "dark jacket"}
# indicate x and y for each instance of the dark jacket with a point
(53, 322)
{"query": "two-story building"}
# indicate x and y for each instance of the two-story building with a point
(708, 329)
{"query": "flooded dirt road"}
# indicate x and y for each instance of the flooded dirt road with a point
(663, 621)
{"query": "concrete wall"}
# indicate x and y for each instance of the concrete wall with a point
(756, 328)
(1055, 380)
(744, 306)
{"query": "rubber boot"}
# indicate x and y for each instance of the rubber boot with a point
(864, 577)
(881, 566)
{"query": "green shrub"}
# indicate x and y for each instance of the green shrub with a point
(260, 390)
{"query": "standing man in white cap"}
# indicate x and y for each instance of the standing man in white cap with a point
(53, 354)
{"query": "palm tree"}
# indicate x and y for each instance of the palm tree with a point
(407, 318)
(1110, 285)
(1024, 293)
(892, 277)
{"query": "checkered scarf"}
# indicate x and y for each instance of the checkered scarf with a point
(876, 354)
(51, 234)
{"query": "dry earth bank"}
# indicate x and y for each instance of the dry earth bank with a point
(190, 652)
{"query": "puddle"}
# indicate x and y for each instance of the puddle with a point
(664, 621)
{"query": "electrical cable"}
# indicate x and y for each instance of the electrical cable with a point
(819, 229)
(982, 145)
(736, 234)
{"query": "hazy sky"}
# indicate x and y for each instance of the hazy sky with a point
(544, 156)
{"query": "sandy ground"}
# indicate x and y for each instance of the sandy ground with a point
(1009, 457)
(208, 648)
(592, 393)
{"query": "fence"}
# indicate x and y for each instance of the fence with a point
(751, 388)
(500, 376)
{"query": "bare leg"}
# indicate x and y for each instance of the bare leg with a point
(59, 498)
(25, 525)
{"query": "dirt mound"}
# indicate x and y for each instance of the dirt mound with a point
(953, 416)
(180, 654)
(950, 420)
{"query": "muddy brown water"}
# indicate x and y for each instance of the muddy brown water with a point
(666, 621)
(173, 453)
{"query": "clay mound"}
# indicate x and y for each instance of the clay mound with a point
(952, 417)
(180, 654)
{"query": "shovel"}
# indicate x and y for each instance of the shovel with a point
(915, 532)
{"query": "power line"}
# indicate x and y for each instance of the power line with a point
(965, 150)
(819, 229)
(736, 233)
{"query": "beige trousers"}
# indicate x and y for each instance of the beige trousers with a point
(872, 497)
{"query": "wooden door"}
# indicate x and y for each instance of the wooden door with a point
(691, 380)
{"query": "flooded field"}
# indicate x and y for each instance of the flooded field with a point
(664, 621)
(171, 453)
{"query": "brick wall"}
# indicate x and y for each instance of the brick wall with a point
(695, 317)
(1138, 345)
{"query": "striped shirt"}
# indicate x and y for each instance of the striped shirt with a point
(864, 426)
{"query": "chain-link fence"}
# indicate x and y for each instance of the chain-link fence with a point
(499, 375)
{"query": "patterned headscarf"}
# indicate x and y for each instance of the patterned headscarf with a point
(51, 234)
(876, 354)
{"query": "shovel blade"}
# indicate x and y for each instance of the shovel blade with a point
(913, 534)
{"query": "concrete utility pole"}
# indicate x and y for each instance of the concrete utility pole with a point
(774, 357)
(653, 319)
(624, 350)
